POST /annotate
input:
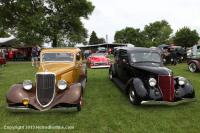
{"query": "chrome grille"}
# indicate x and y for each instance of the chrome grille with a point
(45, 85)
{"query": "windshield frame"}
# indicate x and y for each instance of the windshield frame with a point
(147, 61)
(42, 61)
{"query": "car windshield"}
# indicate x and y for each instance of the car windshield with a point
(57, 57)
(145, 57)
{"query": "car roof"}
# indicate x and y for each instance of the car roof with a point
(69, 49)
(135, 49)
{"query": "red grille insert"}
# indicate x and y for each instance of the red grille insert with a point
(166, 84)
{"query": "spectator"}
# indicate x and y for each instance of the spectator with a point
(34, 55)
(10, 54)
(173, 57)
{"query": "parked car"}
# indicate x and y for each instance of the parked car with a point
(2, 60)
(194, 64)
(98, 60)
(140, 73)
(168, 53)
(60, 82)
(195, 51)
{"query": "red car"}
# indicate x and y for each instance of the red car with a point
(98, 60)
(2, 60)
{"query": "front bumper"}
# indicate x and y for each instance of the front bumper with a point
(100, 66)
(26, 109)
(153, 102)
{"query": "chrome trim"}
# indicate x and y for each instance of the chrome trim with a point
(46, 72)
(24, 109)
(100, 66)
(184, 100)
(53, 92)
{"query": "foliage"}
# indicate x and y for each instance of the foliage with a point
(186, 37)
(153, 34)
(33, 21)
(95, 40)
(3, 33)
(157, 33)
(130, 35)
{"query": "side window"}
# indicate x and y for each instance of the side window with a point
(123, 55)
(78, 56)
(116, 55)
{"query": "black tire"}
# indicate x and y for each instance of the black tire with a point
(80, 104)
(193, 67)
(133, 98)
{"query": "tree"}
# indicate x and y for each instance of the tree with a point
(186, 37)
(157, 33)
(101, 40)
(130, 35)
(34, 21)
(93, 38)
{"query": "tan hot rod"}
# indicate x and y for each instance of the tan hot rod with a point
(60, 81)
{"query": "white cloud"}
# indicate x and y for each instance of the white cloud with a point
(112, 15)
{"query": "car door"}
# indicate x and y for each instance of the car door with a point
(78, 66)
(123, 65)
(116, 61)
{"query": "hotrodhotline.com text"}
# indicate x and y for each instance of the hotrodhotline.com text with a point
(37, 127)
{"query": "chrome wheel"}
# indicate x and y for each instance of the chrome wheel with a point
(192, 67)
(132, 96)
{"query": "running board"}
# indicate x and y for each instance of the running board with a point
(119, 84)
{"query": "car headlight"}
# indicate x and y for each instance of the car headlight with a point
(62, 84)
(152, 82)
(181, 80)
(27, 84)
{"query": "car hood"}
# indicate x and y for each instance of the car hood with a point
(99, 59)
(57, 68)
(160, 70)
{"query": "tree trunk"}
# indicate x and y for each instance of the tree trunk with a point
(55, 40)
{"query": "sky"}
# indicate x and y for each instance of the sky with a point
(110, 16)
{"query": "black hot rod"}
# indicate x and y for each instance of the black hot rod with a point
(141, 74)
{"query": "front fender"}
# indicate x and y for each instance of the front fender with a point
(196, 62)
(185, 91)
(16, 94)
(72, 95)
(140, 90)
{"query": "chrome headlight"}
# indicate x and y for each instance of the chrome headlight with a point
(62, 84)
(181, 80)
(27, 84)
(152, 82)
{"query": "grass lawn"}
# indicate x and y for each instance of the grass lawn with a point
(106, 108)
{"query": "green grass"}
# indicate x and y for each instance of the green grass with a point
(106, 108)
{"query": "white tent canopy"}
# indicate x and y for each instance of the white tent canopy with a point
(7, 41)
